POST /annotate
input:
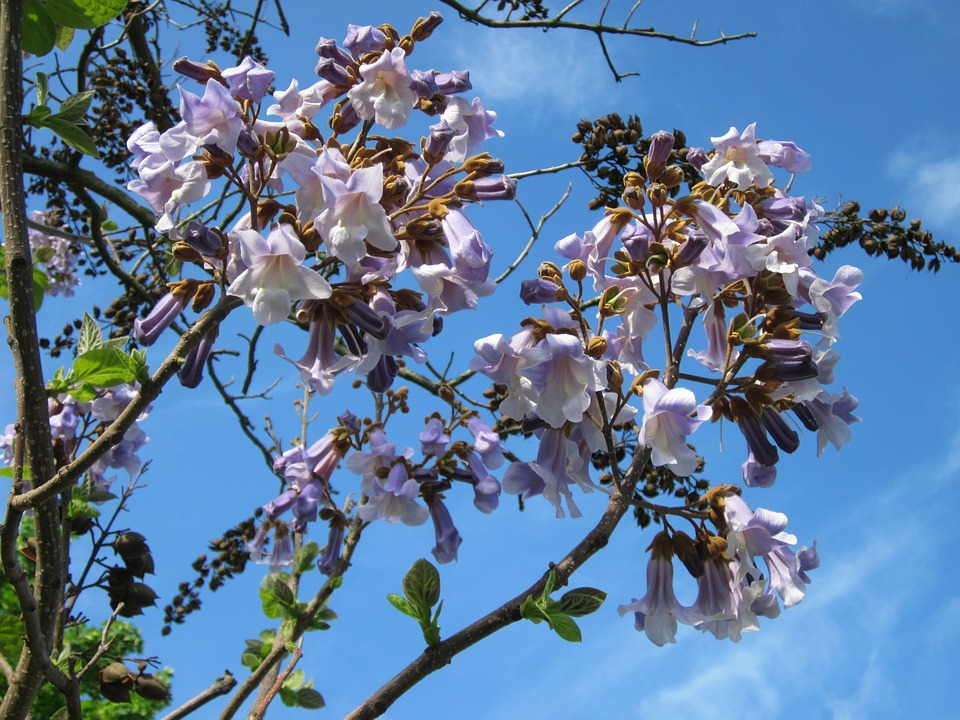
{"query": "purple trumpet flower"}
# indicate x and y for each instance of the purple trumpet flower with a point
(782, 434)
(331, 553)
(791, 360)
(539, 291)
(494, 188)
(763, 451)
(381, 377)
(148, 329)
(454, 82)
(191, 372)
(437, 142)
(448, 538)
(661, 145)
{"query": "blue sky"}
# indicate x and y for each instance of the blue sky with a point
(870, 90)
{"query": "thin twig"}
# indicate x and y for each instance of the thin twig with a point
(261, 709)
(221, 686)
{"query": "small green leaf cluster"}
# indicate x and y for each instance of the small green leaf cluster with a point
(51, 23)
(297, 691)
(421, 591)
(68, 123)
(278, 601)
(99, 364)
(559, 614)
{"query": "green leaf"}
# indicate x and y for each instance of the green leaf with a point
(76, 136)
(64, 37)
(108, 226)
(421, 585)
(581, 601)
(250, 660)
(531, 610)
(288, 697)
(75, 107)
(83, 393)
(565, 627)
(103, 368)
(548, 588)
(40, 284)
(276, 597)
(403, 605)
(37, 116)
(294, 680)
(90, 336)
(304, 557)
(80, 509)
(42, 85)
(39, 29)
(8, 472)
(310, 699)
(85, 14)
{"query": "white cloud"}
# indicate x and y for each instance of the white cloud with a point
(931, 172)
(550, 71)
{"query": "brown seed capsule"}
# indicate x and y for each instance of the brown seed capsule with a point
(150, 688)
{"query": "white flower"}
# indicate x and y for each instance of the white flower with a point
(274, 276)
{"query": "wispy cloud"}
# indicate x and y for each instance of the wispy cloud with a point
(549, 71)
(931, 170)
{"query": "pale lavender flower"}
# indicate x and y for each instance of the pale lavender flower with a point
(214, 119)
(393, 499)
(249, 80)
(433, 440)
(564, 376)
(834, 416)
(385, 94)
(737, 160)
(362, 39)
(784, 154)
(656, 612)
(473, 125)
(274, 275)
(669, 417)
(354, 215)
(486, 442)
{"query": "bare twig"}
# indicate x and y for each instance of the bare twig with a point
(221, 686)
(261, 709)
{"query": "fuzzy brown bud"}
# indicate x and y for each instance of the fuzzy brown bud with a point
(577, 270)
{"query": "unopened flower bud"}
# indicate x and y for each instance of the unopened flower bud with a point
(633, 198)
(482, 165)
(454, 82)
(201, 72)
(596, 347)
(696, 157)
(657, 194)
(577, 269)
(334, 73)
(424, 26)
(344, 118)
(661, 145)
(672, 176)
(435, 145)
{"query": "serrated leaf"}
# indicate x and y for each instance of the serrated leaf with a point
(64, 37)
(565, 627)
(421, 585)
(42, 86)
(581, 601)
(39, 29)
(304, 557)
(310, 699)
(90, 336)
(403, 605)
(76, 136)
(103, 368)
(85, 14)
(75, 106)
